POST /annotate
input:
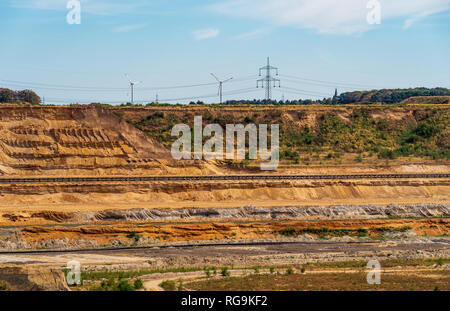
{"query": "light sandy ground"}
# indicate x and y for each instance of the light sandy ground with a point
(62, 259)
(82, 207)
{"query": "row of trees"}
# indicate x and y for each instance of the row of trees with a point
(10, 96)
(388, 96)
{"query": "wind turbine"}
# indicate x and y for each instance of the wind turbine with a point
(132, 84)
(220, 85)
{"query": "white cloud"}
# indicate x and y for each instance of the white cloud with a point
(328, 16)
(251, 34)
(127, 28)
(203, 34)
(417, 17)
(97, 7)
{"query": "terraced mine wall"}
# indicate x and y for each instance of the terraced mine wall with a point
(246, 212)
(72, 140)
(164, 194)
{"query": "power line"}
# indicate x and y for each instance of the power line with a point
(305, 92)
(94, 89)
(267, 82)
(234, 92)
(66, 100)
(318, 84)
(58, 85)
(328, 83)
(62, 87)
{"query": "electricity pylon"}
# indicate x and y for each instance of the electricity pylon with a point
(266, 82)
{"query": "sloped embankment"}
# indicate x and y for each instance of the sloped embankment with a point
(212, 194)
(241, 213)
(75, 140)
(21, 278)
(150, 233)
(278, 212)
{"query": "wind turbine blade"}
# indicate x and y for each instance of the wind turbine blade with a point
(215, 77)
(228, 80)
(128, 78)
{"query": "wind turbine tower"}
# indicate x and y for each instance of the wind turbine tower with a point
(220, 85)
(132, 84)
(267, 81)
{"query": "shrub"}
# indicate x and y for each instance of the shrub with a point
(7, 96)
(158, 114)
(289, 271)
(426, 130)
(168, 285)
(272, 270)
(208, 116)
(301, 114)
(386, 154)
(138, 284)
(180, 285)
(289, 231)
(133, 235)
(225, 271)
(28, 96)
(245, 162)
(249, 119)
(362, 232)
(398, 229)
(124, 286)
(4, 286)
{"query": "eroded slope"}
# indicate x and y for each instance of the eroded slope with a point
(76, 140)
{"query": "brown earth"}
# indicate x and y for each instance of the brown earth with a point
(77, 140)
(95, 140)
(32, 278)
(90, 197)
(103, 234)
(344, 280)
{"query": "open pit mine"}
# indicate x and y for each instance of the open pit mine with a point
(98, 185)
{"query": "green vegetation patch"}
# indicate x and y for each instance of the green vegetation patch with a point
(327, 136)
(291, 231)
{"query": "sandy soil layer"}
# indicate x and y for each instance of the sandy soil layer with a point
(129, 234)
(98, 196)
(238, 256)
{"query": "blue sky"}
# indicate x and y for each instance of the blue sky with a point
(317, 46)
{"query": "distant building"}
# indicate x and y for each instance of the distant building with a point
(335, 97)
